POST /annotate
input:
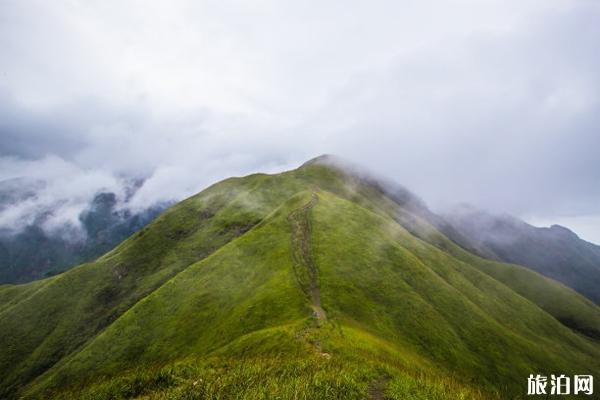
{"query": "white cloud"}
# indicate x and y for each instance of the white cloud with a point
(491, 102)
(64, 191)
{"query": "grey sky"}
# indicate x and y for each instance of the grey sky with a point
(494, 103)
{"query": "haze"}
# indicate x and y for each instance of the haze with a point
(493, 103)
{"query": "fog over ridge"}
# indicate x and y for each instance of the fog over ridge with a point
(492, 103)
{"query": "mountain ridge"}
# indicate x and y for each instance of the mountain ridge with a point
(220, 275)
(556, 252)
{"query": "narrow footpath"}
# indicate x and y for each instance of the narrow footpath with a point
(305, 269)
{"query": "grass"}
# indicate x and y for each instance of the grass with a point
(399, 288)
(252, 378)
(272, 374)
(209, 291)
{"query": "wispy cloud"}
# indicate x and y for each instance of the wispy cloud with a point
(493, 103)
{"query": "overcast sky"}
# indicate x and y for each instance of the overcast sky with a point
(494, 103)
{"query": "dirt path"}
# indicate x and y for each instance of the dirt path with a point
(376, 390)
(304, 265)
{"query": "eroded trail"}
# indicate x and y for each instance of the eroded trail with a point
(303, 263)
(376, 390)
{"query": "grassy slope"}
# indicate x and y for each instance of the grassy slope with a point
(40, 327)
(397, 287)
(563, 303)
(377, 284)
(265, 321)
(554, 252)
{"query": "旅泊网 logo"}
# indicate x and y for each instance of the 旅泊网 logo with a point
(560, 385)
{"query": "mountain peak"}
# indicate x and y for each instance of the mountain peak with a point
(561, 230)
(325, 159)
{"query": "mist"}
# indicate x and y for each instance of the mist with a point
(491, 103)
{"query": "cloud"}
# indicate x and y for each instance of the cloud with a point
(54, 192)
(493, 103)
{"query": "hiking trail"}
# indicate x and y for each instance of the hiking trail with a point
(304, 266)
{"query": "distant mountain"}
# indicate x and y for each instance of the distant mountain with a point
(317, 283)
(555, 252)
(34, 253)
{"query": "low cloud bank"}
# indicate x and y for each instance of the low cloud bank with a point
(493, 104)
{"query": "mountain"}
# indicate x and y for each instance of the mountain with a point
(555, 252)
(33, 252)
(303, 284)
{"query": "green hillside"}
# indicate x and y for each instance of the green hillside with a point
(305, 284)
(555, 252)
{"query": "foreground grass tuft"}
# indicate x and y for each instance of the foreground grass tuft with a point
(311, 377)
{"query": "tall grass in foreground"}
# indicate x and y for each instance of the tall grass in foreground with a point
(310, 377)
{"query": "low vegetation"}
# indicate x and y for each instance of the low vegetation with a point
(216, 300)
